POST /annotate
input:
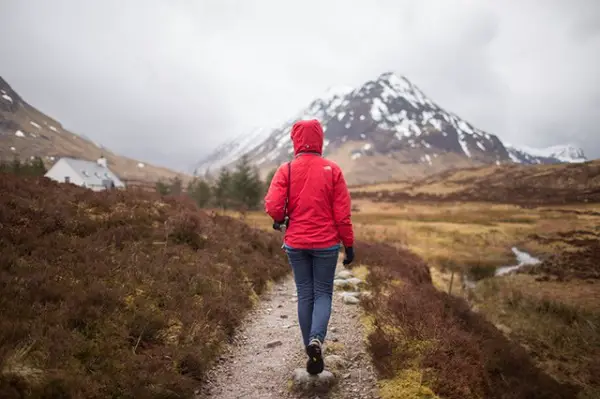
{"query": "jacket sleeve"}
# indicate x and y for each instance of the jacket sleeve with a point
(342, 210)
(275, 198)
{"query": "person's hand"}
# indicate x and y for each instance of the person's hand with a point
(281, 225)
(349, 256)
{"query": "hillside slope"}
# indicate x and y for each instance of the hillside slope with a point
(386, 129)
(119, 294)
(26, 132)
(527, 185)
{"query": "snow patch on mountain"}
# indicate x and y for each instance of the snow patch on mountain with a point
(234, 149)
(564, 153)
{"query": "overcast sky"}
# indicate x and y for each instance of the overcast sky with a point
(167, 81)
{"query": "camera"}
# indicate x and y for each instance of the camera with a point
(281, 226)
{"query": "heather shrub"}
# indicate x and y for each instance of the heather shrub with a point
(119, 294)
(417, 330)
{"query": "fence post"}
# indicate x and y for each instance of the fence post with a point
(451, 282)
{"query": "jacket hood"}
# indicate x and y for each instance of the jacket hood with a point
(307, 136)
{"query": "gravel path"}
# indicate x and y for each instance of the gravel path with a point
(268, 348)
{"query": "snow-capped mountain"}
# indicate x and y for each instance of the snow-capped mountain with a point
(385, 129)
(554, 154)
(231, 151)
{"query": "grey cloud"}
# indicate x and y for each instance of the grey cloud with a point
(167, 81)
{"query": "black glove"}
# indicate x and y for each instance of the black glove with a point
(349, 256)
(278, 225)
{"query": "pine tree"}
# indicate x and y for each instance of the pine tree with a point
(270, 178)
(247, 186)
(200, 191)
(176, 186)
(37, 167)
(162, 188)
(223, 189)
(34, 167)
(16, 166)
(255, 190)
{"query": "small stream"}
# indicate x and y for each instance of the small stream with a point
(523, 259)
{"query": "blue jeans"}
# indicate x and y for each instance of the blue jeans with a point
(314, 270)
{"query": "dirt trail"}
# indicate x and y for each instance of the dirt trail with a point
(268, 348)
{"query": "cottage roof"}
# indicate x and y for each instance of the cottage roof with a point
(91, 172)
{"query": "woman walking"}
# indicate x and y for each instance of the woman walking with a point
(310, 197)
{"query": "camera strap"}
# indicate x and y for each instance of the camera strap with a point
(287, 197)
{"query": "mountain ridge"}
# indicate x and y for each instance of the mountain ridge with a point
(385, 129)
(26, 132)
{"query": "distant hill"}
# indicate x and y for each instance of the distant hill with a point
(26, 132)
(527, 185)
(386, 129)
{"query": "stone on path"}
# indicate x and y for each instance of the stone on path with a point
(344, 275)
(350, 300)
(273, 344)
(366, 294)
(356, 282)
(341, 283)
(322, 382)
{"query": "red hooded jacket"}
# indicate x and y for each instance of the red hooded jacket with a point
(319, 203)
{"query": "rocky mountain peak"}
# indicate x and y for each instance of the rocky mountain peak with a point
(388, 123)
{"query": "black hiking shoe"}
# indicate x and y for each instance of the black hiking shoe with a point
(315, 364)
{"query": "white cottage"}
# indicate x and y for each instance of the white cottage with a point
(93, 175)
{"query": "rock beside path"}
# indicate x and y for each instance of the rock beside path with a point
(355, 282)
(344, 275)
(350, 299)
(341, 283)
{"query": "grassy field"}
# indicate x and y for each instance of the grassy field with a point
(510, 184)
(126, 294)
(552, 311)
(466, 236)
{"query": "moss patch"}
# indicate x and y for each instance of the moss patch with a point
(407, 384)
